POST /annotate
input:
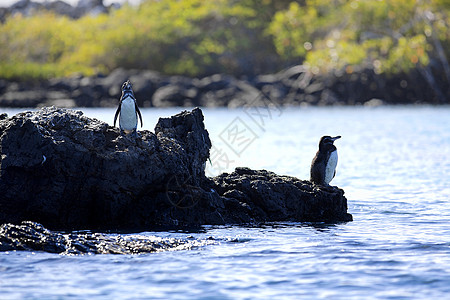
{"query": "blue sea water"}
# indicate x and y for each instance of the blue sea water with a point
(394, 165)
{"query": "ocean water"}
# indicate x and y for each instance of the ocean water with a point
(394, 165)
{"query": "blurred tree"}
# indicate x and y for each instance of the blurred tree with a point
(388, 36)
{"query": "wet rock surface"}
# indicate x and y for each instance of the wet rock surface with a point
(31, 236)
(69, 172)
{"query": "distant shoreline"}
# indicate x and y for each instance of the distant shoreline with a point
(294, 86)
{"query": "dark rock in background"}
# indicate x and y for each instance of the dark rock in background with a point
(83, 7)
(296, 86)
(67, 171)
(179, 91)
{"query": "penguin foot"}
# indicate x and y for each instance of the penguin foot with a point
(135, 134)
(329, 187)
(130, 135)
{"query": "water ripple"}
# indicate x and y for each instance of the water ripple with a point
(393, 166)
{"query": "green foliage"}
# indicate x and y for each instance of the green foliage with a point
(292, 30)
(386, 35)
(194, 37)
(44, 46)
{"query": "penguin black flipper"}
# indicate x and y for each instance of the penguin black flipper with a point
(317, 169)
(138, 112)
(117, 114)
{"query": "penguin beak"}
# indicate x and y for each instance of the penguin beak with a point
(336, 137)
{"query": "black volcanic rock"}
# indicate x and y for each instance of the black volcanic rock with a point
(268, 196)
(67, 171)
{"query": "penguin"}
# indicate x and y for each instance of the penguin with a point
(323, 166)
(128, 110)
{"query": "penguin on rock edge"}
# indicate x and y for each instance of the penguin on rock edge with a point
(128, 110)
(323, 166)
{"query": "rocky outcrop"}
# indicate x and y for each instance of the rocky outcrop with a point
(267, 196)
(67, 171)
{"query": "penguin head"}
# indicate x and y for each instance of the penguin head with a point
(126, 86)
(326, 142)
(127, 90)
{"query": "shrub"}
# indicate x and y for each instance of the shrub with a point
(388, 36)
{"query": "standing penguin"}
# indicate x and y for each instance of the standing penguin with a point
(128, 110)
(323, 166)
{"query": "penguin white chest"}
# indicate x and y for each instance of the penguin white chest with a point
(330, 167)
(128, 117)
